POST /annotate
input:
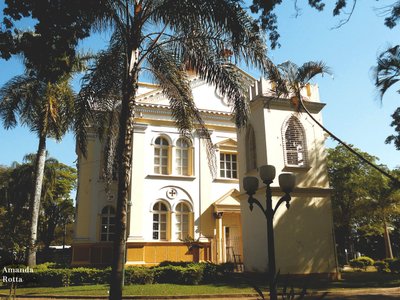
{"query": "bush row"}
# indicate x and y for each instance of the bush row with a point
(391, 265)
(167, 272)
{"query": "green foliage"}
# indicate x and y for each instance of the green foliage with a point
(188, 273)
(191, 274)
(394, 265)
(89, 276)
(382, 266)
(15, 192)
(363, 201)
(139, 275)
(361, 262)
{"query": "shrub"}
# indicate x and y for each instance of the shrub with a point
(89, 276)
(362, 262)
(179, 275)
(139, 275)
(210, 272)
(394, 265)
(48, 277)
(175, 263)
(382, 266)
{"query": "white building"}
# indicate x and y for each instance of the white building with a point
(174, 195)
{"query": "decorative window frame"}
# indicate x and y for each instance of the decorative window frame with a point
(172, 156)
(190, 155)
(227, 146)
(167, 220)
(300, 140)
(190, 214)
(171, 219)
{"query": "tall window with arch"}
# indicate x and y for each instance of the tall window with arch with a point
(182, 214)
(160, 221)
(161, 156)
(182, 156)
(294, 142)
(251, 153)
(107, 224)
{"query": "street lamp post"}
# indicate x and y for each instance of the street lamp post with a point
(287, 183)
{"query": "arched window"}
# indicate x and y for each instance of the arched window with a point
(160, 221)
(251, 153)
(107, 224)
(161, 156)
(295, 145)
(182, 157)
(182, 214)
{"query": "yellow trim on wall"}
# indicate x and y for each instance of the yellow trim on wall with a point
(169, 227)
(191, 224)
(190, 161)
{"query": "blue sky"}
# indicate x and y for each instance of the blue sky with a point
(353, 110)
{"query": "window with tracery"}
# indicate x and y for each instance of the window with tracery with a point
(295, 146)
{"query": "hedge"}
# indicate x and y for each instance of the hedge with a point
(361, 262)
(393, 264)
(166, 272)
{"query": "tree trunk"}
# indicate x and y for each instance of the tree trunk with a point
(124, 158)
(386, 237)
(35, 205)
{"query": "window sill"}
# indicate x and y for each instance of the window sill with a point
(174, 177)
(296, 168)
(226, 180)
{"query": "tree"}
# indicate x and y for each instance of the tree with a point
(164, 38)
(364, 203)
(268, 19)
(291, 79)
(46, 108)
(387, 74)
(382, 205)
(57, 206)
(15, 194)
(15, 190)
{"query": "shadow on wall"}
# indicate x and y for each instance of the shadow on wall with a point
(304, 237)
(316, 175)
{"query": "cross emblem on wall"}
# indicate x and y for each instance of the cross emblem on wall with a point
(171, 193)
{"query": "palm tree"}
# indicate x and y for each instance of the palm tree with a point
(387, 73)
(291, 79)
(46, 108)
(163, 38)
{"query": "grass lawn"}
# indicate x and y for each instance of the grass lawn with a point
(136, 290)
(350, 280)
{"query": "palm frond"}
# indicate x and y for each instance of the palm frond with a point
(99, 100)
(310, 69)
(16, 98)
(226, 20)
(203, 54)
(169, 72)
(387, 71)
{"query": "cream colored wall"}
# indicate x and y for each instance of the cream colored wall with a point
(303, 234)
(148, 188)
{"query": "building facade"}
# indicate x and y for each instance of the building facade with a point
(279, 135)
(181, 210)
